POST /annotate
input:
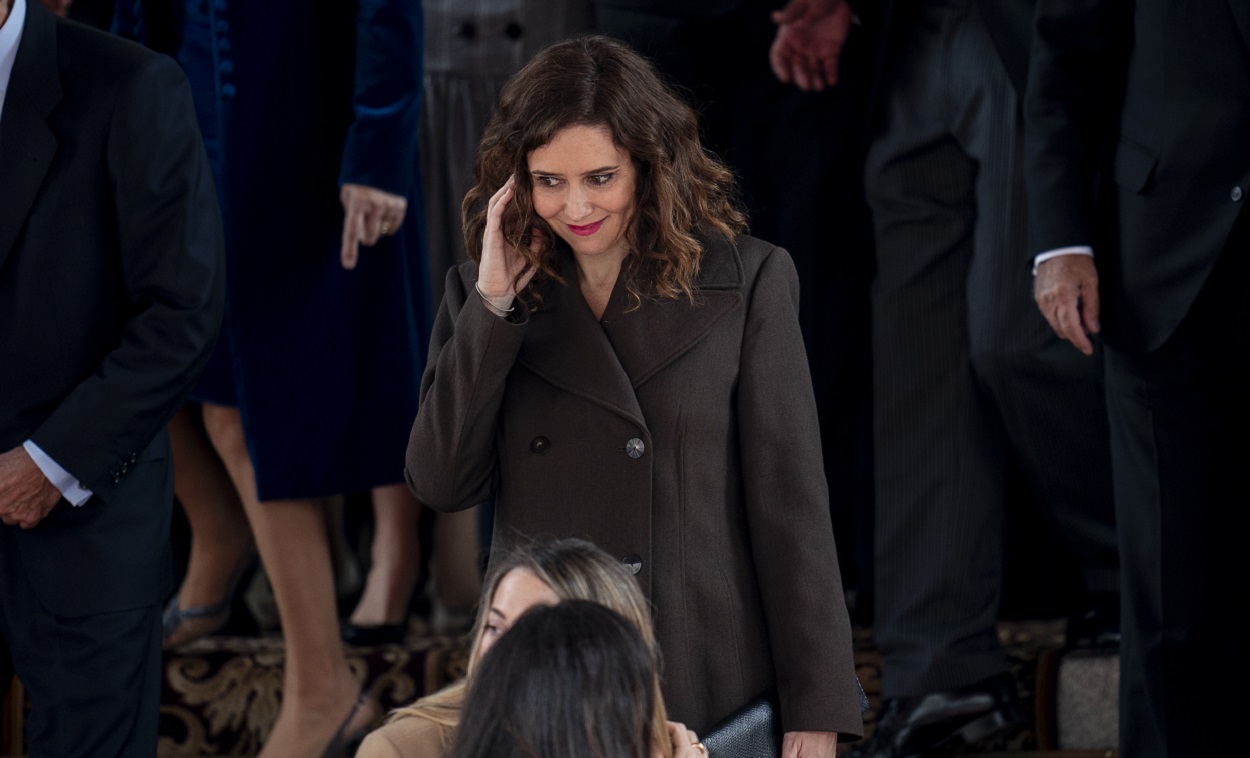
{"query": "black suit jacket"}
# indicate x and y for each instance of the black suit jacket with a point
(110, 298)
(1155, 96)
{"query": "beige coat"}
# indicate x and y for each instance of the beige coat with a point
(406, 736)
(681, 437)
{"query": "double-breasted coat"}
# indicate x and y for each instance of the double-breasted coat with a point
(680, 436)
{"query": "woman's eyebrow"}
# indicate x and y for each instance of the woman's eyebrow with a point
(602, 170)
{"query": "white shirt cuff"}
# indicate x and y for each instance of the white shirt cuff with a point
(71, 489)
(1074, 250)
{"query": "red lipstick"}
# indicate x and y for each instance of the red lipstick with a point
(585, 231)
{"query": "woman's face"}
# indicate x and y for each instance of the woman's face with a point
(517, 592)
(584, 189)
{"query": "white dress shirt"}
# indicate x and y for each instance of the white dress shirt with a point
(1073, 250)
(10, 36)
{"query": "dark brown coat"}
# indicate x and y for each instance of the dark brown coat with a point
(726, 507)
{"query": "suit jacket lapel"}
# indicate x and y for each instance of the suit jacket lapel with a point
(27, 144)
(1241, 12)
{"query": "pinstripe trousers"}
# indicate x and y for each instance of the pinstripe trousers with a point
(968, 378)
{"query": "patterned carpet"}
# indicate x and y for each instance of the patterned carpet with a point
(220, 696)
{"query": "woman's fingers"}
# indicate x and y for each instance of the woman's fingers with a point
(368, 215)
(686, 743)
(500, 261)
(497, 202)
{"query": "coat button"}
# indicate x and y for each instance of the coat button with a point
(1236, 194)
(633, 562)
(540, 445)
(635, 448)
(467, 31)
(513, 30)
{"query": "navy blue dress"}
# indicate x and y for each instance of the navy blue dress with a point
(295, 100)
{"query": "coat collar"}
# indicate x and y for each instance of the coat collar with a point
(606, 362)
(27, 143)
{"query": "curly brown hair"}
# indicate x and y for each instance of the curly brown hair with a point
(679, 186)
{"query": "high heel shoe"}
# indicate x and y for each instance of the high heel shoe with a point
(181, 626)
(346, 739)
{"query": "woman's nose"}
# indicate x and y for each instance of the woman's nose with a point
(578, 205)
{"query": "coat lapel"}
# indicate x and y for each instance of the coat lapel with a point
(653, 336)
(566, 346)
(606, 362)
(27, 144)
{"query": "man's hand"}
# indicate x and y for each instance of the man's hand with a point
(809, 745)
(26, 495)
(1066, 291)
(368, 215)
(808, 45)
(59, 7)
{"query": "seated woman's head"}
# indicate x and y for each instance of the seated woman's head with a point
(546, 572)
(543, 573)
(573, 680)
(607, 158)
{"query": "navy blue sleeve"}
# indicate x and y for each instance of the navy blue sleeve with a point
(381, 148)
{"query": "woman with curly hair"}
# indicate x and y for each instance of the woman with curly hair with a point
(619, 361)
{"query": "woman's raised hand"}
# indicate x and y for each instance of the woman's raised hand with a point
(501, 262)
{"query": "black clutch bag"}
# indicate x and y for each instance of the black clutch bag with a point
(753, 731)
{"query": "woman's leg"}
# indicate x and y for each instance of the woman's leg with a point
(395, 558)
(318, 688)
(221, 540)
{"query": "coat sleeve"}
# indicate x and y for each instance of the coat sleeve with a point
(1076, 74)
(381, 147)
(451, 460)
(170, 249)
(787, 505)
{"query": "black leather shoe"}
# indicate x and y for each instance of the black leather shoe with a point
(943, 722)
(1098, 628)
(361, 635)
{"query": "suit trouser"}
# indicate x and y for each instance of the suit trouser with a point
(1179, 418)
(94, 681)
(968, 378)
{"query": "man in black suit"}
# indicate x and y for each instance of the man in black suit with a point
(1138, 169)
(110, 298)
(969, 383)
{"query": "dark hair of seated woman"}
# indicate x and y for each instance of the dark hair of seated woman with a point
(573, 680)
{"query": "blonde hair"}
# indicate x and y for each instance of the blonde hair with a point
(574, 569)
